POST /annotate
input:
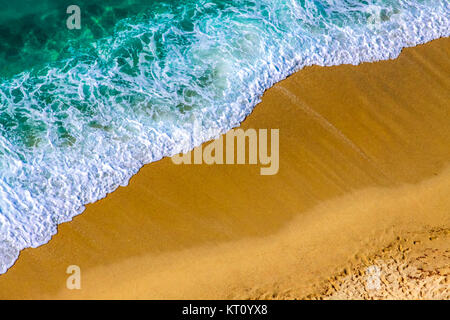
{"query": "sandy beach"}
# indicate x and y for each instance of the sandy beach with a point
(364, 180)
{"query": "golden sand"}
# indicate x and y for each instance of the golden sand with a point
(364, 161)
(412, 267)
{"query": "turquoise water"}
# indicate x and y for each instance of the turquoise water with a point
(82, 110)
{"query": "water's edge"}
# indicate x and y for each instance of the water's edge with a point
(142, 137)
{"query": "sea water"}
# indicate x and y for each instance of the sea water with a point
(82, 110)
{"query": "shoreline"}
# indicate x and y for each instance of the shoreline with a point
(368, 138)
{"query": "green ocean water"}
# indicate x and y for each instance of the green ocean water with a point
(34, 33)
(81, 110)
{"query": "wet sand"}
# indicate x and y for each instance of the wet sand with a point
(364, 160)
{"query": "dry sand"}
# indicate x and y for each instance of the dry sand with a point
(414, 267)
(364, 164)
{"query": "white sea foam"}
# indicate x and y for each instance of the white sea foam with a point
(165, 83)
